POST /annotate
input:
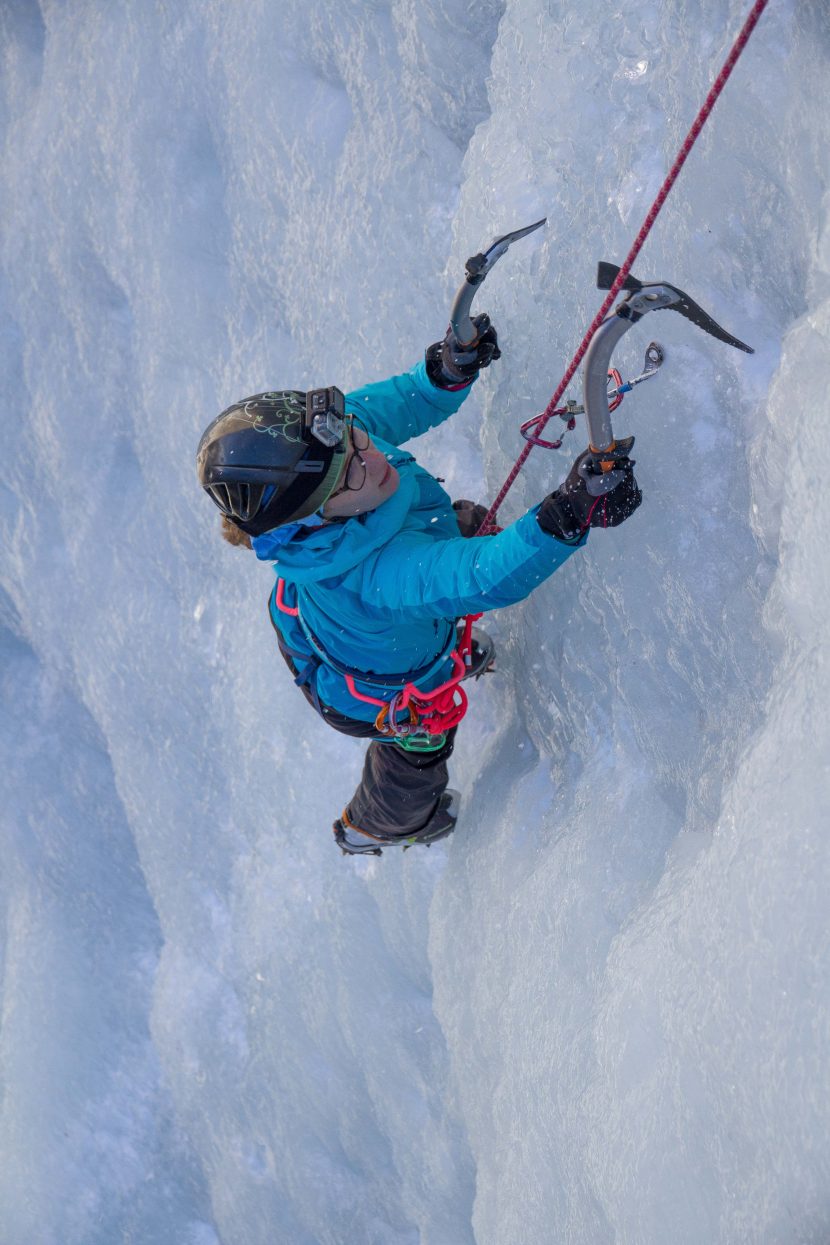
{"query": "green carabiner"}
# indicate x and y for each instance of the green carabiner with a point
(422, 743)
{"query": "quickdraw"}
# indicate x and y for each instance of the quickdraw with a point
(617, 388)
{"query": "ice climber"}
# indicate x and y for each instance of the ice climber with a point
(375, 566)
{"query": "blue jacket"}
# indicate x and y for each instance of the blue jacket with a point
(381, 592)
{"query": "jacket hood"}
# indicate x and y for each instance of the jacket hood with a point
(317, 553)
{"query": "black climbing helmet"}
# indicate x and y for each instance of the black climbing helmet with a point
(275, 457)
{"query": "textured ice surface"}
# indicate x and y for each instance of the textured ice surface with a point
(600, 1012)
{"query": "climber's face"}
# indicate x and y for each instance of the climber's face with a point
(367, 481)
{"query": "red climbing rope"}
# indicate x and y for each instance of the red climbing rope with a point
(689, 142)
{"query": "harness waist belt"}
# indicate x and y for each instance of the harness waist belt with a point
(387, 682)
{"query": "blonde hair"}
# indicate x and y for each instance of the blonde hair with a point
(234, 535)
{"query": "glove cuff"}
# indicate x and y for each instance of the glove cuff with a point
(556, 517)
(435, 370)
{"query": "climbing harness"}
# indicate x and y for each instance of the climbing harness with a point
(427, 716)
(432, 714)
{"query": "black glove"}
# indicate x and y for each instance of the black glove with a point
(568, 512)
(452, 366)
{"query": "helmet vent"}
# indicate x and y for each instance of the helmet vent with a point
(220, 494)
(237, 500)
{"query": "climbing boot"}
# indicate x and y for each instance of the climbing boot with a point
(482, 654)
(441, 823)
(354, 842)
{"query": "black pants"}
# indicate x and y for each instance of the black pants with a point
(399, 790)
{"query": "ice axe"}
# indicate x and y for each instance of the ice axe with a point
(641, 298)
(477, 268)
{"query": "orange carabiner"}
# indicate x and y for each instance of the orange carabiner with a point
(384, 727)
